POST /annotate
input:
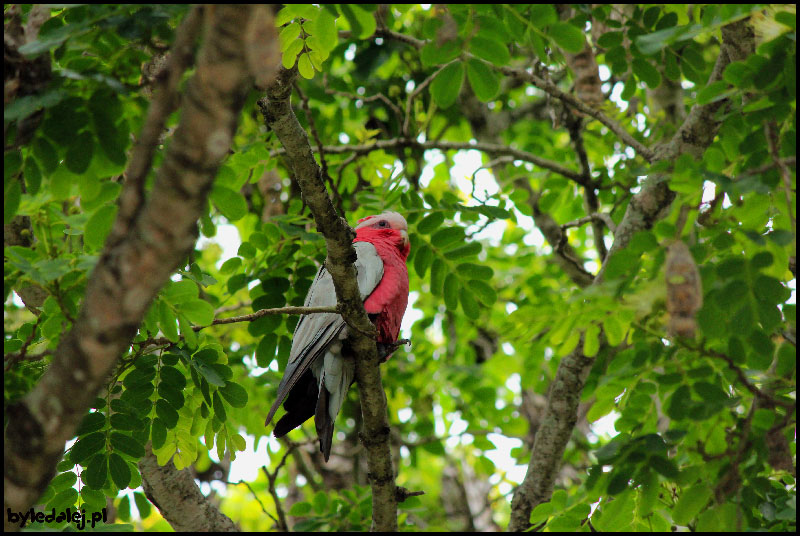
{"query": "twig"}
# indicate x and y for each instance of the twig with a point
(413, 95)
(743, 378)
(490, 148)
(771, 133)
(401, 494)
(551, 89)
(372, 98)
(12, 359)
(255, 496)
(320, 151)
(596, 216)
(248, 318)
(284, 526)
(575, 128)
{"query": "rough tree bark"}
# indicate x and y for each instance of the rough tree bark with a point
(158, 235)
(280, 117)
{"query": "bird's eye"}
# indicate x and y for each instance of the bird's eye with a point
(383, 223)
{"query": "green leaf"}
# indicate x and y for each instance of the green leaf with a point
(468, 303)
(591, 341)
(12, 194)
(172, 395)
(33, 177)
(181, 291)
(422, 259)
(199, 312)
(127, 444)
(451, 291)
(468, 250)
(173, 377)
(447, 236)
(438, 273)
(432, 54)
(79, 153)
(305, 67)
(142, 504)
(96, 472)
(120, 471)
(361, 22)
(646, 73)
(542, 15)
(45, 154)
(484, 82)
(614, 330)
(159, 433)
(490, 50)
(167, 322)
(288, 35)
(568, 37)
(445, 89)
(712, 92)
(235, 394)
(691, 503)
(474, 271)
(231, 204)
(64, 481)
(219, 409)
(87, 446)
(651, 43)
(485, 293)
(290, 54)
(167, 413)
(324, 28)
(430, 223)
(98, 226)
(300, 509)
(610, 40)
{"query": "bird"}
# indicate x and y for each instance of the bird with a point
(321, 365)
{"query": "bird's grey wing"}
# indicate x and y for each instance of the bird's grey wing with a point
(336, 372)
(312, 336)
(315, 333)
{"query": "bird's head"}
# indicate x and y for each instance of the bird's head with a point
(389, 225)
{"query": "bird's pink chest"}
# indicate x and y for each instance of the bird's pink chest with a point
(389, 299)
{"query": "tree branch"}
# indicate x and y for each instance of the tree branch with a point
(645, 208)
(279, 116)
(178, 498)
(161, 235)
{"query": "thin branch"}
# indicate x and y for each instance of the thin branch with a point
(246, 318)
(271, 477)
(595, 217)
(551, 89)
(320, 150)
(494, 149)
(11, 359)
(771, 133)
(371, 98)
(414, 94)
(743, 378)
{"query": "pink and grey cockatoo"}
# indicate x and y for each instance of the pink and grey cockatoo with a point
(321, 366)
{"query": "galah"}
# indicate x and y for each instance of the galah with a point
(321, 365)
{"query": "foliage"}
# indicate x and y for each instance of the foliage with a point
(703, 426)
